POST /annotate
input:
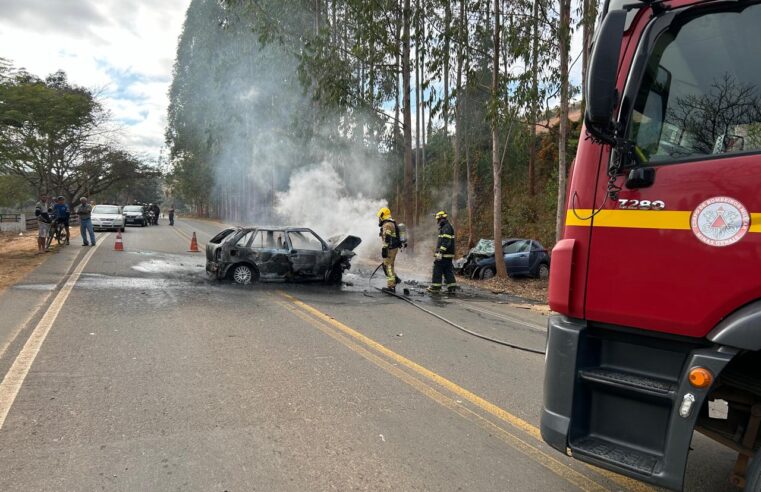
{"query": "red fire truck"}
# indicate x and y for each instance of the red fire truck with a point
(657, 281)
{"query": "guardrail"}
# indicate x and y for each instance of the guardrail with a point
(22, 222)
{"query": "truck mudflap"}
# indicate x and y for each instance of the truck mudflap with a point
(622, 400)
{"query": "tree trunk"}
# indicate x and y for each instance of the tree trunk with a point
(470, 203)
(397, 67)
(496, 162)
(416, 217)
(534, 99)
(565, 42)
(421, 47)
(408, 209)
(457, 142)
(589, 15)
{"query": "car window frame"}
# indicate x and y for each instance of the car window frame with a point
(519, 241)
(273, 231)
(305, 231)
(252, 232)
(657, 26)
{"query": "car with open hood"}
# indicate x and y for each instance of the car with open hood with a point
(249, 254)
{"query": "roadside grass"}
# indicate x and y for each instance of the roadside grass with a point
(18, 255)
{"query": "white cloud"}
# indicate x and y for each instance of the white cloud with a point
(124, 48)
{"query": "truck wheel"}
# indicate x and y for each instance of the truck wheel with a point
(753, 475)
(243, 274)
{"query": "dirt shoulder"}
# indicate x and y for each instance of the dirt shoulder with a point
(527, 288)
(18, 256)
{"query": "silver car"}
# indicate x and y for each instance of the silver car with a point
(107, 217)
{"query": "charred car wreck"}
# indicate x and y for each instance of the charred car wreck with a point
(249, 254)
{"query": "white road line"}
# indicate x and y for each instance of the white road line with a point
(21, 326)
(16, 375)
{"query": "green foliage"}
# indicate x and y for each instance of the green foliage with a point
(51, 135)
(14, 192)
(344, 56)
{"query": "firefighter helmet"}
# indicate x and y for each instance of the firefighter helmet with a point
(441, 215)
(384, 213)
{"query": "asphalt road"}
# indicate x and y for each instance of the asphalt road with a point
(131, 371)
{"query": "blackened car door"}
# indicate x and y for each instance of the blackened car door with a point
(271, 254)
(309, 255)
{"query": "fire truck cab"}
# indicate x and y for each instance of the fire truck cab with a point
(656, 284)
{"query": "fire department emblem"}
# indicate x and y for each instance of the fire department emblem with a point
(720, 221)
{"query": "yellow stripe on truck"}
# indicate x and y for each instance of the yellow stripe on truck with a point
(755, 223)
(634, 219)
(642, 219)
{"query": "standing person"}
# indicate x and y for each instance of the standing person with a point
(43, 210)
(171, 215)
(443, 256)
(157, 211)
(62, 213)
(389, 234)
(84, 211)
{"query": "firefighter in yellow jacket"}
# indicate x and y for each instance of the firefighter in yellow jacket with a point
(389, 234)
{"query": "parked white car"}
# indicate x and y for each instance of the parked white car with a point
(107, 217)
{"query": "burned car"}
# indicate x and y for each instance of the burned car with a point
(249, 254)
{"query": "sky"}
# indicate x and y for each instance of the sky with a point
(123, 48)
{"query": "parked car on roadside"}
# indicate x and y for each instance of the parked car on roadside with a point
(522, 257)
(107, 217)
(248, 254)
(135, 215)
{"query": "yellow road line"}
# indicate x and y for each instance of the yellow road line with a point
(185, 235)
(456, 389)
(567, 473)
(181, 233)
(16, 375)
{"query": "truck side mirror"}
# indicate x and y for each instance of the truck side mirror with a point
(601, 82)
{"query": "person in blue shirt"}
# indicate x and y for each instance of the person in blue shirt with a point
(61, 214)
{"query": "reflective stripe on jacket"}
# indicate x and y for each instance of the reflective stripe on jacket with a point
(445, 243)
(389, 234)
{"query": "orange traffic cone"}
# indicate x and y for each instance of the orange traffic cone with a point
(194, 244)
(118, 245)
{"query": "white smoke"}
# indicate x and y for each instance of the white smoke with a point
(318, 198)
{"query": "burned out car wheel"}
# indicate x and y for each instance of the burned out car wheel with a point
(334, 276)
(243, 274)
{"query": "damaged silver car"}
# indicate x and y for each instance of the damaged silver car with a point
(249, 254)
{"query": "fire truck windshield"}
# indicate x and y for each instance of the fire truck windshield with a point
(700, 92)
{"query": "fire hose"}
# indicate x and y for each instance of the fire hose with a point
(452, 323)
